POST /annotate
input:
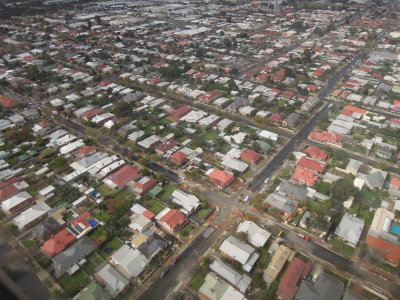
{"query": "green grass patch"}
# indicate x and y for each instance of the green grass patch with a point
(370, 197)
(75, 283)
(154, 206)
(104, 190)
(166, 192)
(42, 259)
(197, 281)
(94, 260)
(110, 247)
(14, 229)
(185, 231)
(30, 244)
(103, 216)
(211, 135)
(204, 213)
(342, 247)
(285, 174)
(99, 232)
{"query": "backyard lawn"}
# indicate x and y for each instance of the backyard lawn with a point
(185, 231)
(167, 190)
(104, 190)
(110, 247)
(154, 206)
(342, 247)
(370, 197)
(75, 283)
(29, 244)
(204, 213)
(103, 216)
(197, 281)
(99, 235)
(93, 261)
(42, 259)
(211, 135)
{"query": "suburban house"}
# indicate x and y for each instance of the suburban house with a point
(311, 165)
(232, 164)
(178, 113)
(243, 253)
(114, 283)
(278, 261)
(122, 177)
(16, 202)
(140, 210)
(292, 190)
(32, 216)
(189, 203)
(284, 204)
(45, 229)
(394, 187)
(171, 220)
(385, 150)
(350, 229)
(163, 148)
(353, 166)
(288, 285)
(327, 137)
(140, 223)
(92, 291)
(144, 185)
(325, 287)
(215, 288)
(69, 258)
(292, 120)
(59, 242)
(382, 237)
(316, 153)
(129, 261)
(219, 177)
(303, 176)
(250, 156)
(178, 157)
(376, 178)
(239, 281)
(256, 236)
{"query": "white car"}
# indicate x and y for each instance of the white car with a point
(266, 180)
(247, 198)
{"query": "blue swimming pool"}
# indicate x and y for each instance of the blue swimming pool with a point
(395, 229)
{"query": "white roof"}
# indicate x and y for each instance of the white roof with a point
(255, 234)
(47, 190)
(150, 141)
(31, 214)
(215, 288)
(71, 147)
(15, 200)
(234, 164)
(236, 249)
(131, 259)
(223, 124)
(187, 201)
(268, 135)
(240, 281)
(350, 229)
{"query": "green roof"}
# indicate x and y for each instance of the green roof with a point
(31, 152)
(23, 157)
(94, 292)
(155, 191)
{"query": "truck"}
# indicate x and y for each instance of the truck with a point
(304, 236)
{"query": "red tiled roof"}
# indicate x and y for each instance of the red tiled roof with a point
(178, 157)
(58, 243)
(83, 217)
(355, 109)
(311, 164)
(8, 191)
(220, 177)
(147, 185)
(287, 288)
(124, 175)
(250, 156)
(93, 112)
(105, 83)
(9, 181)
(44, 124)
(395, 181)
(316, 152)
(164, 147)
(327, 137)
(174, 218)
(85, 150)
(303, 176)
(148, 214)
(388, 250)
(7, 102)
(180, 112)
(277, 117)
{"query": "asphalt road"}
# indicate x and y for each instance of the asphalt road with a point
(258, 182)
(162, 287)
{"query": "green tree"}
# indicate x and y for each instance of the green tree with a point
(343, 189)
(122, 109)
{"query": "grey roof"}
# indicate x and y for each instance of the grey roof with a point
(350, 229)
(325, 287)
(354, 165)
(131, 259)
(281, 202)
(236, 249)
(292, 119)
(114, 281)
(66, 259)
(152, 246)
(293, 190)
(376, 179)
(45, 229)
(240, 281)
